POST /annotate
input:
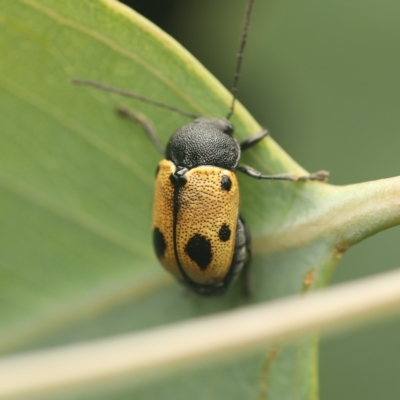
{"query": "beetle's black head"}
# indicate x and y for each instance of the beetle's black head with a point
(204, 141)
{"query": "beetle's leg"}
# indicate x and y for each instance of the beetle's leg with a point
(246, 267)
(317, 176)
(145, 124)
(254, 139)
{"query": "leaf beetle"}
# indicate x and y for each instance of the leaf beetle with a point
(198, 234)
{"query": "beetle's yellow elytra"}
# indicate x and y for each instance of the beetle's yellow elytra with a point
(206, 220)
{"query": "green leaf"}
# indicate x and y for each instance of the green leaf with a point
(76, 191)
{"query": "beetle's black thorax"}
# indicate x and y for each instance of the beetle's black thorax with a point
(204, 141)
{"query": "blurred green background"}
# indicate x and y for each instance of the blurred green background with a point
(323, 77)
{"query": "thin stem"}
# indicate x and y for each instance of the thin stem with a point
(226, 332)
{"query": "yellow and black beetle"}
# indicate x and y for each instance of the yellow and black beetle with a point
(198, 234)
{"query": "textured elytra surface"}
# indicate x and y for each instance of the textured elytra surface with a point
(163, 215)
(206, 221)
(204, 207)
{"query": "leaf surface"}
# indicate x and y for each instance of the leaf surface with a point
(76, 185)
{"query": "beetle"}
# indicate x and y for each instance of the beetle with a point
(198, 234)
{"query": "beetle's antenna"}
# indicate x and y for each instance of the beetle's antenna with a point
(133, 96)
(242, 45)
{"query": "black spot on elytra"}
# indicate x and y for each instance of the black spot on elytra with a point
(226, 183)
(224, 233)
(159, 242)
(198, 248)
